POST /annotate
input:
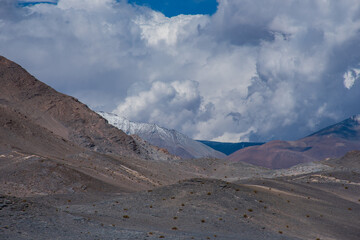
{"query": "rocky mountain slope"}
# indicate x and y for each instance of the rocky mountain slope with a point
(331, 142)
(176, 143)
(60, 114)
(52, 143)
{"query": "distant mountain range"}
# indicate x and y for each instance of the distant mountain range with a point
(176, 143)
(331, 142)
(229, 148)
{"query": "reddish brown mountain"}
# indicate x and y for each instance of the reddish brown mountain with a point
(52, 143)
(333, 141)
(63, 115)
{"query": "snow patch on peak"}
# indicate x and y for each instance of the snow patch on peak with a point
(130, 127)
(176, 143)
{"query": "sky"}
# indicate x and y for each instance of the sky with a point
(171, 8)
(239, 70)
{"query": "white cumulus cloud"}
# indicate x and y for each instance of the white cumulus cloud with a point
(255, 70)
(172, 104)
(350, 77)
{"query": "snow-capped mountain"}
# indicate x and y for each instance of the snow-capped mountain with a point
(175, 142)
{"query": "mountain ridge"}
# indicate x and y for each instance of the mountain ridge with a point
(64, 115)
(175, 142)
(330, 142)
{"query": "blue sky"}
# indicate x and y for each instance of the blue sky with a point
(253, 70)
(169, 8)
(30, 3)
(175, 7)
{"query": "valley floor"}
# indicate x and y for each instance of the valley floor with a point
(322, 205)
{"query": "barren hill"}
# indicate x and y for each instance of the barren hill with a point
(51, 143)
(60, 114)
(331, 142)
